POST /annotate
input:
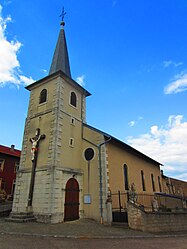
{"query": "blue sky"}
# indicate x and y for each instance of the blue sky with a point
(131, 55)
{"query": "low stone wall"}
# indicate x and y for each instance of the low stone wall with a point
(156, 221)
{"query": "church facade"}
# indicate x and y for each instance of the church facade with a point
(69, 169)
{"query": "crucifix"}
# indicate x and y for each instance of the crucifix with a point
(63, 14)
(34, 152)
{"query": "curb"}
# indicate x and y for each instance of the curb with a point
(86, 237)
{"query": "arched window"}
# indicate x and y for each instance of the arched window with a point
(143, 180)
(153, 182)
(43, 96)
(73, 99)
(126, 181)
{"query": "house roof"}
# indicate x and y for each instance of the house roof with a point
(126, 146)
(9, 151)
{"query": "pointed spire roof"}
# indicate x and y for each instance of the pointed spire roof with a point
(60, 58)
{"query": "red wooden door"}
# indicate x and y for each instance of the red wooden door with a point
(71, 200)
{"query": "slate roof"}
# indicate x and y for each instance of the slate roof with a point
(60, 59)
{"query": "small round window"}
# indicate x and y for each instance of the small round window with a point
(89, 154)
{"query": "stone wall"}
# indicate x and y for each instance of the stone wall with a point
(156, 221)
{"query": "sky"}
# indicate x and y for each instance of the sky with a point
(131, 55)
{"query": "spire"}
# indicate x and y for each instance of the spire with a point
(60, 58)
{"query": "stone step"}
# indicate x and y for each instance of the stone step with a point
(18, 220)
(21, 217)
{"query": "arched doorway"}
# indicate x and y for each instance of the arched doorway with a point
(71, 200)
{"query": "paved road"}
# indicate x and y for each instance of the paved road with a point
(34, 242)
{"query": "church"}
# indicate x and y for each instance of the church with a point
(69, 169)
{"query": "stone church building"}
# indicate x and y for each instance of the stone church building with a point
(69, 169)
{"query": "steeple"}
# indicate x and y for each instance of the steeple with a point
(60, 58)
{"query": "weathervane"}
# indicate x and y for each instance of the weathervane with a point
(63, 14)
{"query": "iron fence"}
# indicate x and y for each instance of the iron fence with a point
(119, 200)
(148, 202)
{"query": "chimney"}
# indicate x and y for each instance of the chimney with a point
(12, 147)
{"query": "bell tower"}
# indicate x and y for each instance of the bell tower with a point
(51, 146)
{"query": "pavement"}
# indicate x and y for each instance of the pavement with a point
(83, 228)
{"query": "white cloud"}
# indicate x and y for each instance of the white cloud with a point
(167, 63)
(179, 84)
(140, 118)
(167, 145)
(25, 80)
(171, 63)
(80, 80)
(132, 123)
(43, 71)
(10, 72)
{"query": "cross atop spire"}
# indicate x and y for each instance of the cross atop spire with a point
(63, 14)
(60, 59)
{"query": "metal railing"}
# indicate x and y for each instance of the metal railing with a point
(119, 200)
(149, 202)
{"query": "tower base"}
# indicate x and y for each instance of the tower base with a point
(21, 217)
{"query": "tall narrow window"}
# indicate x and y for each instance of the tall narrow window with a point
(153, 182)
(73, 99)
(159, 184)
(125, 171)
(43, 96)
(72, 121)
(143, 180)
(71, 142)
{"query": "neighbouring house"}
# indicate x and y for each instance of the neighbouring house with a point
(9, 164)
